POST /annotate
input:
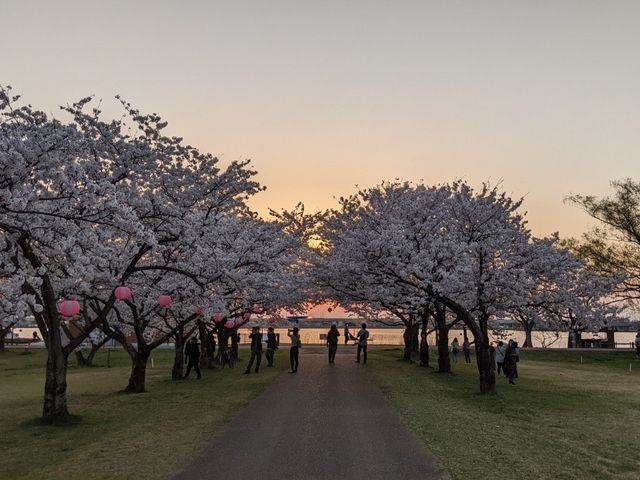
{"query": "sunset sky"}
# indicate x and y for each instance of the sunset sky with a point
(324, 96)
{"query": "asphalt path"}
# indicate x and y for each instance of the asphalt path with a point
(324, 422)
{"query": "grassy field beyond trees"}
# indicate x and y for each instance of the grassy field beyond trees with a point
(562, 419)
(149, 435)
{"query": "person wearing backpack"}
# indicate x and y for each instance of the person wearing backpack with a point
(455, 350)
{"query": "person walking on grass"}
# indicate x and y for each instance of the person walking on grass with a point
(363, 339)
(272, 346)
(455, 350)
(466, 349)
(192, 352)
(294, 351)
(332, 343)
(500, 351)
(424, 349)
(256, 349)
(512, 357)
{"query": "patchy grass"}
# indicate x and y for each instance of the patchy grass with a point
(563, 418)
(149, 435)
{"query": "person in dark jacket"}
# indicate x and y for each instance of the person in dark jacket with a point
(363, 340)
(332, 343)
(192, 352)
(272, 346)
(256, 349)
(294, 351)
(466, 349)
(511, 359)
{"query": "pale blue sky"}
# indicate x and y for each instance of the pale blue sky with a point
(544, 95)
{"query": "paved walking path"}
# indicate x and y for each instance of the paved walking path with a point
(325, 422)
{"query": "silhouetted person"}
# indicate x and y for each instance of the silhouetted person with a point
(455, 350)
(500, 353)
(332, 343)
(363, 339)
(192, 352)
(424, 349)
(466, 349)
(272, 346)
(347, 334)
(294, 351)
(512, 357)
(638, 344)
(256, 349)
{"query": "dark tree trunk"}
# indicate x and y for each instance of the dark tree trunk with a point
(92, 353)
(177, 372)
(80, 360)
(408, 342)
(234, 342)
(138, 373)
(416, 339)
(442, 335)
(485, 359)
(528, 339)
(55, 386)
(2, 334)
(574, 339)
(611, 339)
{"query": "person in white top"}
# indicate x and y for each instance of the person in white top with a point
(500, 351)
(363, 337)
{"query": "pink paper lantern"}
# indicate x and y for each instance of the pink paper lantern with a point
(229, 324)
(123, 293)
(164, 300)
(197, 310)
(246, 317)
(218, 317)
(69, 308)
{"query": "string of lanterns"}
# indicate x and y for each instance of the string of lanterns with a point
(70, 308)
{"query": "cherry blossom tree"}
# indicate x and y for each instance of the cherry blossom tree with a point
(85, 203)
(450, 246)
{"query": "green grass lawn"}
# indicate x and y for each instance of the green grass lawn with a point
(563, 418)
(145, 436)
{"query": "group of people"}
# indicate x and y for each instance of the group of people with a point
(507, 357)
(455, 350)
(296, 343)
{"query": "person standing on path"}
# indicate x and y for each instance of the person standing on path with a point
(363, 338)
(500, 351)
(466, 349)
(455, 350)
(512, 357)
(638, 344)
(294, 351)
(332, 343)
(192, 352)
(272, 346)
(256, 349)
(347, 334)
